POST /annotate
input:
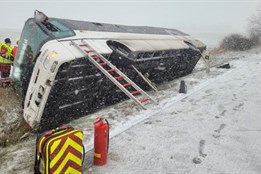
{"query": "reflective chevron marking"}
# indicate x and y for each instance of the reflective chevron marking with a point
(79, 135)
(65, 153)
(71, 164)
(63, 150)
(75, 137)
(65, 146)
(60, 161)
(71, 170)
(55, 144)
(69, 161)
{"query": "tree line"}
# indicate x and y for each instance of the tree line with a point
(241, 42)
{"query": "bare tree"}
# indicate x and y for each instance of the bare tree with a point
(236, 42)
(254, 25)
(240, 42)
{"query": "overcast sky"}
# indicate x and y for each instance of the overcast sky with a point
(217, 15)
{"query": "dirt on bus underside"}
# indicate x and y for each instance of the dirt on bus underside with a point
(12, 124)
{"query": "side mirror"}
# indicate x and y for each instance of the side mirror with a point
(40, 16)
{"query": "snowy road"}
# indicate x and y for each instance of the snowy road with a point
(213, 129)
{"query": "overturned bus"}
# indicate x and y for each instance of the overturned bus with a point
(57, 82)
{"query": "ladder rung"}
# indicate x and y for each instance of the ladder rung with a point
(103, 63)
(126, 84)
(89, 51)
(99, 61)
(135, 92)
(83, 45)
(110, 70)
(144, 100)
(118, 77)
(96, 57)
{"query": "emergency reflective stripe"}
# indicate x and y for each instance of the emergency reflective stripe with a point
(5, 61)
(8, 54)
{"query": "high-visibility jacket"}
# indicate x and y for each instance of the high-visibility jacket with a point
(14, 51)
(6, 54)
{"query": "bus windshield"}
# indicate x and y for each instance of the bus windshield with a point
(33, 37)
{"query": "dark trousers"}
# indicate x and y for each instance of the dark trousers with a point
(5, 70)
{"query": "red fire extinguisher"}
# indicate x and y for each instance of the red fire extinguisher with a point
(101, 141)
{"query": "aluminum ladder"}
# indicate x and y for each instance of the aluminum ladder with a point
(114, 74)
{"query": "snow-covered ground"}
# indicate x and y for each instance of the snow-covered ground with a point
(216, 125)
(214, 128)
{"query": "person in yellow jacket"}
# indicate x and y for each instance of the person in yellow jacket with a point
(6, 59)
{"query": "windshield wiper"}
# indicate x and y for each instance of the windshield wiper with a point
(50, 26)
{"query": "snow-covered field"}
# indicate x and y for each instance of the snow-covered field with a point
(214, 128)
